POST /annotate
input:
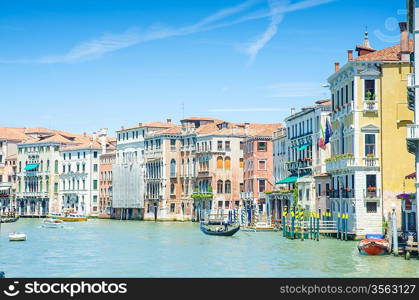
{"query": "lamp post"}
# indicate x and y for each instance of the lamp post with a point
(394, 229)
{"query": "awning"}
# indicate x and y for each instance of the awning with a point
(411, 176)
(31, 167)
(290, 179)
(301, 148)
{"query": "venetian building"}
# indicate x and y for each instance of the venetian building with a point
(369, 118)
(80, 175)
(106, 160)
(129, 170)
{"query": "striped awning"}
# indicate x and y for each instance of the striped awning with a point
(411, 176)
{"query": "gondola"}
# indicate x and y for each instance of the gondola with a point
(221, 232)
(9, 219)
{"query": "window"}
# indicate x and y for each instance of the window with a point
(228, 146)
(371, 207)
(241, 145)
(94, 167)
(227, 188)
(262, 164)
(56, 167)
(369, 89)
(94, 154)
(227, 163)
(172, 189)
(173, 168)
(56, 187)
(219, 162)
(220, 145)
(95, 184)
(241, 163)
(94, 199)
(172, 207)
(262, 146)
(261, 185)
(370, 145)
(219, 187)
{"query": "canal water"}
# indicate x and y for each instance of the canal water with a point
(111, 248)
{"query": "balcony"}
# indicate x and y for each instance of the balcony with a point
(412, 137)
(203, 173)
(344, 194)
(294, 166)
(350, 162)
(372, 194)
(411, 80)
(371, 106)
(246, 195)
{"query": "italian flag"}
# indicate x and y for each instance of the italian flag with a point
(322, 143)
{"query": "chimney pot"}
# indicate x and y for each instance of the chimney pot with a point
(350, 55)
(337, 66)
(404, 41)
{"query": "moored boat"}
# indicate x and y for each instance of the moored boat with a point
(52, 223)
(17, 236)
(373, 244)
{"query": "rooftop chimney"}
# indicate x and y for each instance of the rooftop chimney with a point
(246, 128)
(169, 121)
(292, 111)
(337, 66)
(404, 42)
(350, 55)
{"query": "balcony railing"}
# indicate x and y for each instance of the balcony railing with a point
(411, 80)
(352, 162)
(342, 193)
(372, 193)
(246, 195)
(413, 132)
(299, 164)
(370, 106)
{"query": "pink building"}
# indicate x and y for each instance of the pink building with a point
(105, 184)
(258, 166)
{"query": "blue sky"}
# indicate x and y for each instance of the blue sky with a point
(82, 65)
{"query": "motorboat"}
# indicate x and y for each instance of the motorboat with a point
(373, 244)
(17, 236)
(69, 217)
(52, 223)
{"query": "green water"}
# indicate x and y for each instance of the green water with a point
(110, 248)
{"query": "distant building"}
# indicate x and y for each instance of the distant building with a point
(106, 162)
(129, 170)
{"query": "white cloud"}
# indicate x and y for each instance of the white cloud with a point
(108, 42)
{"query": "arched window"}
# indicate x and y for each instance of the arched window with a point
(173, 168)
(227, 188)
(219, 187)
(219, 162)
(227, 163)
(172, 189)
(56, 166)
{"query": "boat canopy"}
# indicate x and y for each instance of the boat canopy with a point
(30, 167)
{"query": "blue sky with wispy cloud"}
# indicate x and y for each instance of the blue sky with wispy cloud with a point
(81, 65)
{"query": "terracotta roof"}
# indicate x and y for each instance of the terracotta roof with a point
(206, 128)
(259, 130)
(38, 130)
(177, 129)
(202, 119)
(386, 54)
(84, 145)
(13, 133)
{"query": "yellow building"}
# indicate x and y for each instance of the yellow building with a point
(369, 155)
